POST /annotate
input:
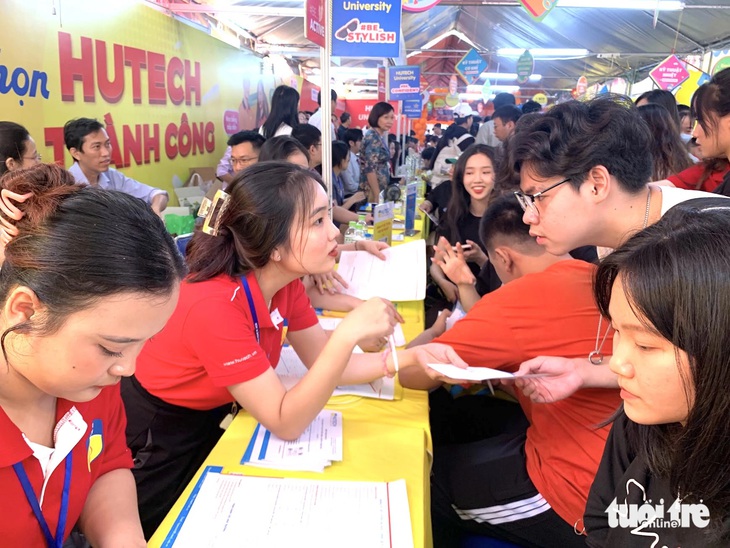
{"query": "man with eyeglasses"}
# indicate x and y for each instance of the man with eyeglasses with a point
(243, 151)
(520, 473)
(584, 169)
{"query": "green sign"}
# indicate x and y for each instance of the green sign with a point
(487, 90)
(525, 66)
(722, 63)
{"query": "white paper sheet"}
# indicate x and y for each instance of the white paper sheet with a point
(330, 324)
(230, 511)
(476, 373)
(290, 369)
(401, 277)
(316, 448)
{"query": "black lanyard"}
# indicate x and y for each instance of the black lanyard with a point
(254, 316)
(52, 542)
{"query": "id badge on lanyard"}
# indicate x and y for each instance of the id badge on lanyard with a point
(51, 541)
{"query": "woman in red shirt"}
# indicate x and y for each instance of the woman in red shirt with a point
(242, 298)
(89, 275)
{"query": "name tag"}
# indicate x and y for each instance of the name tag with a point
(276, 318)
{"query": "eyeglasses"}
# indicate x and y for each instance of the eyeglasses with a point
(528, 200)
(243, 161)
(36, 157)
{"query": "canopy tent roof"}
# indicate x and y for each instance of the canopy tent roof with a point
(621, 42)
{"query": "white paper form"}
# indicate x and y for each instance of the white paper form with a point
(400, 277)
(291, 369)
(478, 373)
(230, 511)
(317, 447)
(329, 323)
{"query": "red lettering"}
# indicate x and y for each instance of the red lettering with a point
(198, 138)
(54, 138)
(209, 137)
(192, 83)
(151, 143)
(111, 130)
(156, 78)
(137, 59)
(175, 73)
(72, 68)
(111, 90)
(171, 141)
(132, 144)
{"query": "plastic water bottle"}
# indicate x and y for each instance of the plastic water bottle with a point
(359, 232)
(350, 233)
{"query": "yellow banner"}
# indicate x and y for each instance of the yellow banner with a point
(169, 94)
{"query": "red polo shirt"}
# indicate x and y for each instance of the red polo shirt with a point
(105, 422)
(209, 343)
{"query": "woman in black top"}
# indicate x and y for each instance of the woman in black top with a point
(471, 191)
(664, 478)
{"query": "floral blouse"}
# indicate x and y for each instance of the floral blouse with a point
(374, 158)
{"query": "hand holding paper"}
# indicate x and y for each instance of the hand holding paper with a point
(476, 373)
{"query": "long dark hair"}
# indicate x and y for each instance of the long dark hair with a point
(264, 200)
(281, 148)
(711, 101)
(458, 208)
(13, 139)
(669, 155)
(77, 244)
(676, 275)
(284, 110)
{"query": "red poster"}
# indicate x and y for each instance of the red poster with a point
(314, 21)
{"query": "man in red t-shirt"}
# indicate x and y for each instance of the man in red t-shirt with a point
(490, 476)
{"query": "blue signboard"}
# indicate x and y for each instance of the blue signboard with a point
(366, 29)
(471, 66)
(404, 83)
(412, 108)
(410, 208)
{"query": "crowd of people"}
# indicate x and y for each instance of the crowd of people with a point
(121, 357)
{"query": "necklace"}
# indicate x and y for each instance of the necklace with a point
(596, 356)
(646, 213)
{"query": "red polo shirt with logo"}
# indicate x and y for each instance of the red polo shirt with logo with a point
(101, 448)
(209, 343)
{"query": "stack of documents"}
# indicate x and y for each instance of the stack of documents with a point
(400, 277)
(229, 511)
(316, 448)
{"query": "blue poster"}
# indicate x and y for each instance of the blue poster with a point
(410, 207)
(471, 66)
(404, 83)
(366, 29)
(412, 108)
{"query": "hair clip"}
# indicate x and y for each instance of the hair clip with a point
(213, 211)
(8, 230)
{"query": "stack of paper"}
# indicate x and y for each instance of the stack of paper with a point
(400, 277)
(291, 369)
(316, 448)
(229, 511)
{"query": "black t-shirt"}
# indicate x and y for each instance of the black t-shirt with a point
(623, 478)
(724, 187)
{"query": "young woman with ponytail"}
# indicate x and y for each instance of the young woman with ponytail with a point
(242, 298)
